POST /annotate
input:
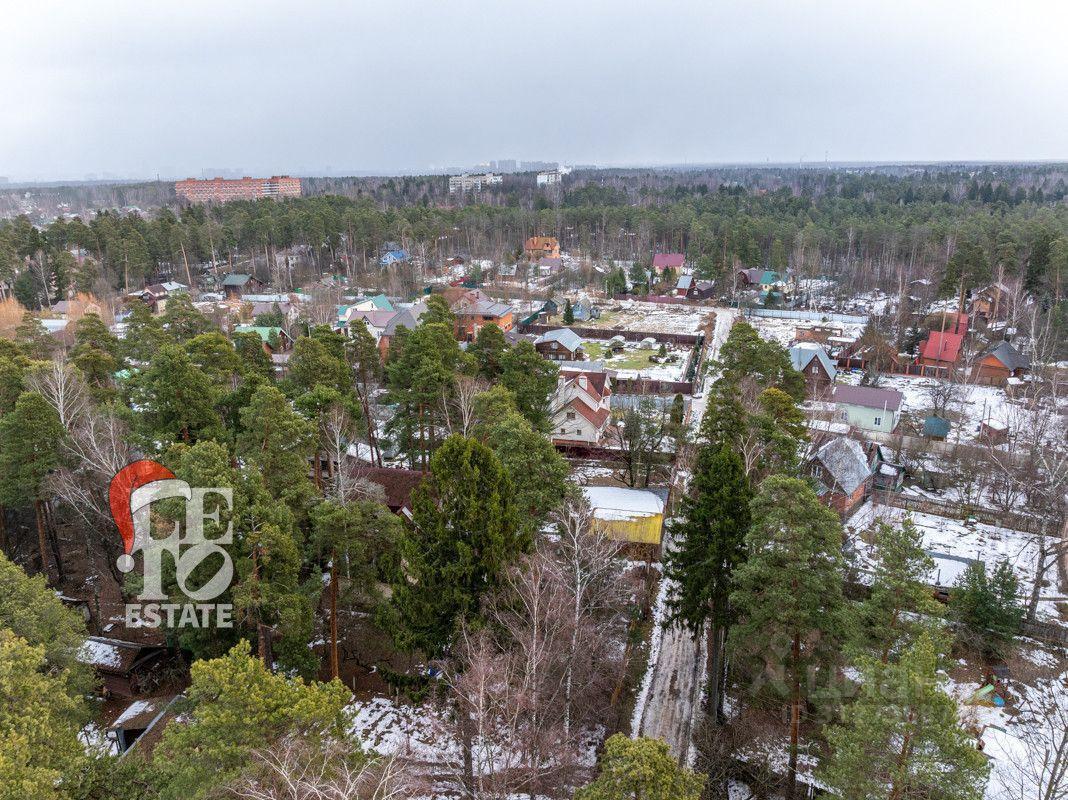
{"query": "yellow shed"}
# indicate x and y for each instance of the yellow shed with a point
(629, 515)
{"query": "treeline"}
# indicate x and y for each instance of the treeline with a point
(865, 229)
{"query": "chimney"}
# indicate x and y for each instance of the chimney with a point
(583, 382)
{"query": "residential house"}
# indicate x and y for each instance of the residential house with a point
(393, 256)
(702, 290)
(289, 311)
(584, 311)
(672, 261)
(764, 280)
(819, 370)
(397, 485)
(125, 668)
(562, 344)
(841, 468)
(581, 407)
(886, 475)
(997, 365)
(684, 285)
(236, 284)
(992, 303)
(628, 515)
(275, 340)
(547, 265)
(941, 349)
(474, 310)
(538, 247)
(993, 432)
(868, 407)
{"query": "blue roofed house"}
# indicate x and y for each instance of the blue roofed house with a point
(819, 370)
(584, 311)
(562, 344)
(393, 257)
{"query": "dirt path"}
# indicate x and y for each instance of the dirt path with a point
(672, 694)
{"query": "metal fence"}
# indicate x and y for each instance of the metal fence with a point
(814, 316)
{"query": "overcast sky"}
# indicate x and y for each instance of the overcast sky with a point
(178, 86)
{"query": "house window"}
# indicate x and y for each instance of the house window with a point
(570, 415)
(878, 421)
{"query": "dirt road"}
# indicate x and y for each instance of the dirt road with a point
(672, 694)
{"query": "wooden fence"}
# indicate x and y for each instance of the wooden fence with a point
(650, 386)
(946, 508)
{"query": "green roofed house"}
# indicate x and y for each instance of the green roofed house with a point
(237, 283)
(282, 340)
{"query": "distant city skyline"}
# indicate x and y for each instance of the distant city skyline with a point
(119, 90)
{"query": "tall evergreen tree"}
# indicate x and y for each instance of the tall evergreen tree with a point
(463, 535)
(532, 379)
(710, 545)
(30, 437)
(892, 615)
(901, 737)
(789, 597)
(987, 608)
(278, 442)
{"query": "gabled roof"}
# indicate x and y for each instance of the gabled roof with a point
(392, 256)
(263, 331)
(942, 346)
(868, 397)
(236, 279)
(381, 302)
(564, 336)
(668, 260)
(845, 462)
(550, 262)
(684, 282)
(1008, 355)
(374, 319)
(540, 243)
(801, 356)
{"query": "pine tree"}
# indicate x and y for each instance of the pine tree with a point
(901, 737)
(532, 380)
(30, 437)
(789, 596)
(569, 313)
(176, 399)
(710, 546)
(39, 723)
(641, 769)
(487, 349)
(182, 321)
(236, 705)
(893, 613)
(463, 535)
(278, 442)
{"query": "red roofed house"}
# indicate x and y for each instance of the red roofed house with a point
(663, 261)
(581, 407)
(941, 349)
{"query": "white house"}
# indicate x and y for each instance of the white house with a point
(581, 407)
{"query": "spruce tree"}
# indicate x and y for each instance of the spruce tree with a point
(709, 546)
(569, 313)
(463, 535)
(987, 608)
(789, 597)
(901, 737)
(176, 399)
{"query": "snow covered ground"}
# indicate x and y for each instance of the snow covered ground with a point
(633, 315)
(953, 544)
(783, 331)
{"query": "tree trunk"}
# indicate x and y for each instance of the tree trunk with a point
(466, 746)
(795, 721)
(716, 683)
(3, 530)
(1041, 567)
(42, 537)
(334, 665)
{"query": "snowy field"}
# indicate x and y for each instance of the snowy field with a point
(631, 315)
(784, 331)
(953, 544)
